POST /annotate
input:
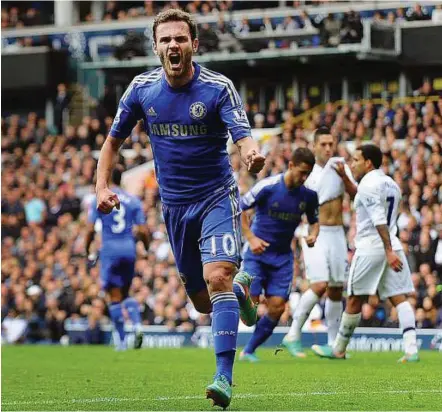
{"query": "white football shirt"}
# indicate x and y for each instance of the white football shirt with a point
(326, 182)
(376, 203)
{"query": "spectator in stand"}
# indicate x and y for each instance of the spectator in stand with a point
(208, 39)
(351, 31)
(242, 27)
(288, 24)
(61, 104)
(400, 15)
(227, 39)
(267, 26)
(418, 14)
(436, 15)
(329, 30)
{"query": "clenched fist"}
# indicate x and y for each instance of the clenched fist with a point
(107, 200)
(255, 161)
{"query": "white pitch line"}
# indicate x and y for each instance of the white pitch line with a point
(200, 397)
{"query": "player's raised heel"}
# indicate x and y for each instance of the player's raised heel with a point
(294, 348)
(248, 357)
(138, 340)
(248, 310)
(325, 351)
(409, 358)
(220, 392)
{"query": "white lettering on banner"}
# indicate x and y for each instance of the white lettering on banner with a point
(225, 333)
(369, 344)
(159, 341)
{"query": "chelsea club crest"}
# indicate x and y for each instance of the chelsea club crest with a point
(197, 110)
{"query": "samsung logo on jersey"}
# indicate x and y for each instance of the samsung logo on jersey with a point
(177, 130)
(286, 216)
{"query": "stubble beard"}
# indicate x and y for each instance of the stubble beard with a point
(185, 67)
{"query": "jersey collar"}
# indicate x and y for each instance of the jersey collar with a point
(167, 86)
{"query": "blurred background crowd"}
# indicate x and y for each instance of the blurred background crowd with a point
(227, 33)
(46, 194)
(17, 14)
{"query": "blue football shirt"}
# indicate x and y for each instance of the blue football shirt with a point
(278, 210)
(117, 237)
(188, 129)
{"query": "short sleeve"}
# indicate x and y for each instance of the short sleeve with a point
(371, 199)
(139, 218)
(128, 113)
(254, 196)
(312, 209)
(233, 114)
(93, 212)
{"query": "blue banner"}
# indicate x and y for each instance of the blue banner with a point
(83, 45)
(363, 340)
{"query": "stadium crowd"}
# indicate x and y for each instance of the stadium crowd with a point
(47, 191)
(226, 34)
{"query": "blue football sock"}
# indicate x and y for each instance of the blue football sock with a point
(239, 292)
(116, 314)
(264, 328)
(133, 309)
(225, 320)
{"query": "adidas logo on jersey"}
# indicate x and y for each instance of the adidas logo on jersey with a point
(151, 112)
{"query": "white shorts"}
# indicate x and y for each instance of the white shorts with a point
(327, 261)
(370, 274)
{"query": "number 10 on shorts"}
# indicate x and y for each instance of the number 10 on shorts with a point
(227, 242)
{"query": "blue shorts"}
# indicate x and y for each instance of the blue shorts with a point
(204, 232)
(116, 271)
(272, 273)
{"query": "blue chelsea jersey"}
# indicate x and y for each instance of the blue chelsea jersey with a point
(188, 129)
(117, 237)
(278, 210)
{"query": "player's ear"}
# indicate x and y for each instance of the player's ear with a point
(154, 48)
(195, 45)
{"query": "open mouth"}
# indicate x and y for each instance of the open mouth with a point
(175, 60)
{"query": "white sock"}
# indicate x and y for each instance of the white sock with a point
(308, 300)
(333, 313)
(346, 329)
(407, 321)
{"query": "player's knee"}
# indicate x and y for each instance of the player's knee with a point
(201, 302)
(319, 288)
(276, 309)
(203, 307)
(334, 293)
(354, 304)
(115, 295)
(219, 277)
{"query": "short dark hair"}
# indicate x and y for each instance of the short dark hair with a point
(117, 174)
(320, 131)
(175, 15)
(373, 153)
(303, 155)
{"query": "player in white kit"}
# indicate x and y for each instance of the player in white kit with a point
(326, 263)
(379, 264)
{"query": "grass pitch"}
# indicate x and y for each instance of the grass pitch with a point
(36, 378)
